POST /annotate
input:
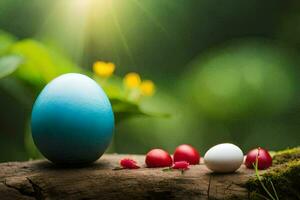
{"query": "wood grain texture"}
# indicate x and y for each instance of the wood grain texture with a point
(43, 180)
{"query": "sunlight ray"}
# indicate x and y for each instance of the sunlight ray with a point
(151, 17)
(122, 36)
(68, 24)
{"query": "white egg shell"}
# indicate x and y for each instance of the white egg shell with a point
(224, 158)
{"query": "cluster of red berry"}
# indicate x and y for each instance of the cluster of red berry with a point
(185, 155)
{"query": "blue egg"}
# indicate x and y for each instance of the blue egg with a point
(72, 120)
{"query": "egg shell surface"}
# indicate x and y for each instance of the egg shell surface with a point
(224, 158)
(72, 120)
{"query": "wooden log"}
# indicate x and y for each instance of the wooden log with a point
(42, 180)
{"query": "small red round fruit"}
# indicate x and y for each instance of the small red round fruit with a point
(262, 156)
(186, 153)
(158, 158)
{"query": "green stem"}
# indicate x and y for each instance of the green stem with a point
(259, 179)
(274, 190)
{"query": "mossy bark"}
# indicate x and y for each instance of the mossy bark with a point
(282, 181)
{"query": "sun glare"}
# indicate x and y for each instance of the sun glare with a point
(77, 23)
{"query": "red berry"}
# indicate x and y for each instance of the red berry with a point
(158, 158)
(183, 165)
(186, 153)
(264, 159)
(127, 163)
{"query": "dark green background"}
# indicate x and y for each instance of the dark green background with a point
(180, 45)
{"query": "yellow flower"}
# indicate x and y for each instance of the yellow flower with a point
(132, 80)
(103, 69)
(147, 88)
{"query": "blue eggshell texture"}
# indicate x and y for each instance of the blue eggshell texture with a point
(72, 120)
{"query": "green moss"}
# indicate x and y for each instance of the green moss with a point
(285, 176)
(287, 155)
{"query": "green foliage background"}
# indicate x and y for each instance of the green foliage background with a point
(225, 71)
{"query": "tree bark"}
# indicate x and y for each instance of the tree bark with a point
(43, 180)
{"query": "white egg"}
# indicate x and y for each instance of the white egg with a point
(224, 158)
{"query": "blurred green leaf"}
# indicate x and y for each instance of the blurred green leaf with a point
(18, 90)
(41, 63)
(8, 64)
(112, 87)
(124, 109)
(6, 40)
